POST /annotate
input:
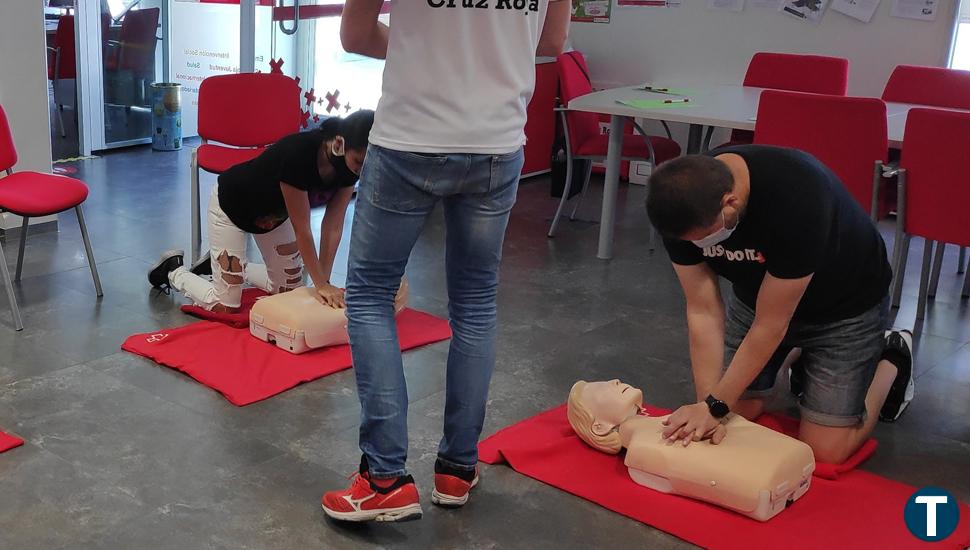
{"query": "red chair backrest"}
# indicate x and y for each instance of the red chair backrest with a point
(8, 153)
(64, 42)
(848, 134)
(249, 109)
(934, 155)
(817, 74)
(929, 86)
(574, 82)
(137, 39)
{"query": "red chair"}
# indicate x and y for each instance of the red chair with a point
(848, 134)
(62, 63)
(135, 49)
(32, 194)
(815, 74)
(584, 139)
(932, 86)
(937, 87)
(935, 191)
(244, 113)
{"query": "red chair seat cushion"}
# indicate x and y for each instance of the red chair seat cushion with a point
(34, 194)
(217, 159)
(633, 146)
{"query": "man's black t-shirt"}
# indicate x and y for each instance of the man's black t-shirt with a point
(250, 194)
(800, 220)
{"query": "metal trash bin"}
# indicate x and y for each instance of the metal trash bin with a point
(166, 116)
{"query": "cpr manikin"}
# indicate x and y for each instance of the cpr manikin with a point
(297, 322)
(754, 471)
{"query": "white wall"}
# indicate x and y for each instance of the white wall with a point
(23, 85)
(690, 44)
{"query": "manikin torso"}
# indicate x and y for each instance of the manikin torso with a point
(754, 470)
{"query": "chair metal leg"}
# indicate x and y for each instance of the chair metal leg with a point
(924, 279)
(60, 119)
(196, 211)
(962, 263)
(8, 284)
(937, 266)
(966, 286)
(582, 196)
(562, 201)
(23, 245)
(87, 249)
(900, 269)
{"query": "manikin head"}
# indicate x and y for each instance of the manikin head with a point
(596, 409)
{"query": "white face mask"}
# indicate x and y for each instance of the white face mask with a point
(337, 147)
(718, 236)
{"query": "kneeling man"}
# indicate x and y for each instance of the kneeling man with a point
(809, 274)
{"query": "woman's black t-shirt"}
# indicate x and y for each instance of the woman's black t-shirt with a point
(250, 194)
(800, 221)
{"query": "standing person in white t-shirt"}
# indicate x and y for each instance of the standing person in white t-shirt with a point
(449, 128)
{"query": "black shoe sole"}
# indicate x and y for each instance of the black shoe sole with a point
(896, 403)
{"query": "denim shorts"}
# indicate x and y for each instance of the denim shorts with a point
(839, 359)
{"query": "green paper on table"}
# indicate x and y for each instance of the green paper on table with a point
(654, 103)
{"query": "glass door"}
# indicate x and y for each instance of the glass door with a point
(132, 42)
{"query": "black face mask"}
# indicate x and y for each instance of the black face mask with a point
(345, 176)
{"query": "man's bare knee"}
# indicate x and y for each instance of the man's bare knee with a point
(293, 271)
(294, 281)
(220, 308)
(831, 445)
(750, 408)
(228, 262)
(287, 249)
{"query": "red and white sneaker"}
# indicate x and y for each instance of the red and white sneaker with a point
(452, 486)
(374, 500)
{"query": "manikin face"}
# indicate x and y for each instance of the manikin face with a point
(611, 403)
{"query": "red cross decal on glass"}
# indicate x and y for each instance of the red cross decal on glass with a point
(347, 107)
(332, 100)
(310, 98)
(316, 118)
(306, 119)
(276, 66)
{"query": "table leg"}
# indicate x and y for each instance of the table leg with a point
(694, 138)
(610, 188)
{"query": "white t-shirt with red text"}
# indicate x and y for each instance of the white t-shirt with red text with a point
(459, 75)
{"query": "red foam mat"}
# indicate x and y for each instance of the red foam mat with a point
(856, 510)
(236, 320)
(8, 442)
(246, 370)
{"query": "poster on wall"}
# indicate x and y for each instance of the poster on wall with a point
(648, 3)
(809, 10)
(591, 11)
(863, 10)
(923, 10)
(726, 5)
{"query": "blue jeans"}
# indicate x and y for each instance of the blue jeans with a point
(397, 193)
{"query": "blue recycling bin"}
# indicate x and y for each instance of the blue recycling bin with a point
(166, 116)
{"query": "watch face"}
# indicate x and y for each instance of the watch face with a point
(719, 409)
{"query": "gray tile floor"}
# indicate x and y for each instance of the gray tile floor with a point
(121, 453)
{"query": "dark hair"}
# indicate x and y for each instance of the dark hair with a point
(685, 194)
(355, 129)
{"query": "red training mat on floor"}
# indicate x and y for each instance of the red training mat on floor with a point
(245, 369)
(235, 320)
(858, 510)
(8, 442)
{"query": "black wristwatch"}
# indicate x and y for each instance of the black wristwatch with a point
(718, 408)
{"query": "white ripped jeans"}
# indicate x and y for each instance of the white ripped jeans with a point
(282, 271)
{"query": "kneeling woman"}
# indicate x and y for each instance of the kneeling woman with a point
(270, 197)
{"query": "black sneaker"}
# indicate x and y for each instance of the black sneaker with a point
(899, 352)
(169, 262)
(202, 267)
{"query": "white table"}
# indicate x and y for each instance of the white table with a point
(733, 107)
